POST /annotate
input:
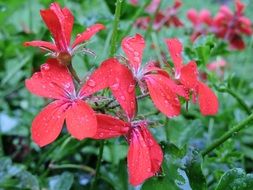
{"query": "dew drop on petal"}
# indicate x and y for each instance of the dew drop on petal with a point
(131, 88)
(45, 67)
(137, 59)
(115, 86)
(122, 97)
(91, 83)
(136, 54)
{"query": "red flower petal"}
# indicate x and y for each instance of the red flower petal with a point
(133, 48)
(175, 49)
(189, 75)
(162, 95)
(87, 34)
(110, 127)
(144, 156)
(81, 120)
(205, 16)
(208, 101)
(123, 90)
(66, 20)
(239, 7)
(236, 42)
(120, 80)
(41, 44)
(47, 125)
(192, 15)
(55, 26)
(53, 81)
(155, 151)
(101, 78)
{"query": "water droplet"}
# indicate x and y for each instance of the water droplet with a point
(122, 97)
(131, 88)
(115, 86)
(45, 67)
(136, 54)
(91, 83)
(137, 59)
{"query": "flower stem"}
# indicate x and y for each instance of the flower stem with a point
(157, 47)
(115, 28)
(236, 96)
(73, 72)
(133, 19)
(233, 131)
(73, 166)
(100, 155)
(112, 52)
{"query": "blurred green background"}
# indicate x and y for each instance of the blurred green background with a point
(68, 163)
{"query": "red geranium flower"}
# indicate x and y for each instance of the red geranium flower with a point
(60, 22)
(55, 81)
(167, 17)
(231, 26)
(202, 22)
(187, 75)
(144, 155)
(163, 91)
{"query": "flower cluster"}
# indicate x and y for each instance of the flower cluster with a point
(228, 25)
(167, 17)
(121, 77)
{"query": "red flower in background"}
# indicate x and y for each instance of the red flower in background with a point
(231, 26)
(167, 17)
(202, 22)
(54, 81)
(187, 75)
(60, 23)
(144, 155)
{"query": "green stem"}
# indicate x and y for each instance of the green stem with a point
(237, 97)
(1, 145)
(134, 18)
(100, 155)
(73, 166)
(73, 72)
(115, 27)
(157, 47)
(227, 135)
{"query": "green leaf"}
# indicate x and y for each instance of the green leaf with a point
(235, 179)
(61, 182)
(182, 170)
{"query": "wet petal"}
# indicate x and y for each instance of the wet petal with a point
(110, 127)
(123, 89)
(66, 20)
(144, 156)
(208, 101)
(87, 34)
(41, 44)
(81, 120)
(55, 26)
(162, 95)
(120, 80)
(52, 81)
(133, 48)
(175, 49)
(101, 78)
(47, 125)
(189, 75)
